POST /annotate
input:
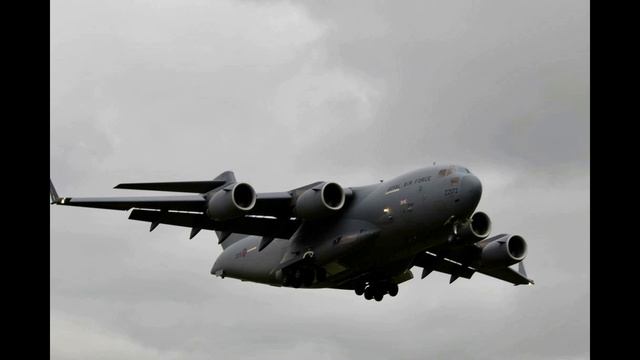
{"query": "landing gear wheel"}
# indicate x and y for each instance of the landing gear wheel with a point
(359, 290)
(368, 293)
(393, 289)
(296, 279)
(378, 296)
(308, 275)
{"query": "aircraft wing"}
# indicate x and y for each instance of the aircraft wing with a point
(277, 204)
(509, 275)
(270, 217)
(199, 187)
(430, 262)
(249, 225)
(267, 204)
(179, 203)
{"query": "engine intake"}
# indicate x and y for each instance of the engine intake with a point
(474, 229)
(231, 202)
(504, 251)
(323, 200)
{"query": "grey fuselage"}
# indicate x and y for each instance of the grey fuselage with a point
(382, 228)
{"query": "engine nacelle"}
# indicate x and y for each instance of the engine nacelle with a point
(504, 251)
(231, 201)
(321, 201)
(474, 229)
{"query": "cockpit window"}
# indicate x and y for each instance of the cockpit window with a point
(446, 172)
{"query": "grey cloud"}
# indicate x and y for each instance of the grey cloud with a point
(469, 82)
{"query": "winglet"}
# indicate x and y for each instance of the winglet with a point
(55, 199)
(227, 176)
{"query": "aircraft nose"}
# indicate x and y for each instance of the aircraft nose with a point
(472, 190)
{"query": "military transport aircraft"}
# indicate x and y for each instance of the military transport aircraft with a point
(322, 235)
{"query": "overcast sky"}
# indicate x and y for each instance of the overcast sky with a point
(287, 93)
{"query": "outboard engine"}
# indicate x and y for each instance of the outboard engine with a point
(231, 202)
(504, 251)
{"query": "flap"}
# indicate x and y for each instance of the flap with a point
(248, 225)
(182, 203)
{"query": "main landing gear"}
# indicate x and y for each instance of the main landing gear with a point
(305, 273)
(377, 290)
(304, 276)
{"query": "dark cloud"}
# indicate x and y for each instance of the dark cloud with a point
(287, 93)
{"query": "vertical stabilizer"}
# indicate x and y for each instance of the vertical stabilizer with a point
(227, 177)
(53, 193)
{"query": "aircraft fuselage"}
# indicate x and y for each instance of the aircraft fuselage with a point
(375, 238)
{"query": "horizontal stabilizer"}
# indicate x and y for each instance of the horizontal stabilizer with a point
(199, 187)
(54, 194)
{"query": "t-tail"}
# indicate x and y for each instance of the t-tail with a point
(55, 199)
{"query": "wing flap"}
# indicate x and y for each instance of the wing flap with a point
(430, 262)
(181, 203)
(248, 225)
(507, 274)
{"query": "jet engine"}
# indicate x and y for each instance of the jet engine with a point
(473, 229)
(321, 201)
(505, 250)
(231, 202)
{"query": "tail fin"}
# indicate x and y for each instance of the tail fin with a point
(53, 193)
(227, 177)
